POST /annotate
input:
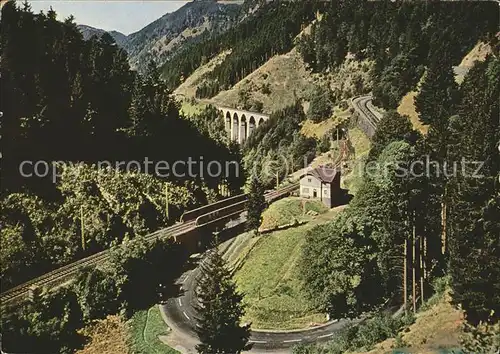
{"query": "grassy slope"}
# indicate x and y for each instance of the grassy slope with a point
(145, 328)
(189, 109)
(289, 79)
(269, 279)
(239, 249)
(352, 172)
(407, 107)
(286, 76)
(188, 88)
(352, 166)
(436, 330)
(289, 210)
(318, 130)
(478, 53)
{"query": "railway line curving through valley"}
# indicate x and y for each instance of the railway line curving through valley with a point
(180, 315)
(224, 209)
(179, 312)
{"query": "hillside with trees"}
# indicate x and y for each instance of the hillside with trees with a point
(277, 148)
(403, 231)
(400, 37)
(69, 105)
(161, 39)
(269, 31)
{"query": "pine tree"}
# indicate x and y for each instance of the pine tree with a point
(255, 205)
(437, 100)
(220, 310)
(474, 198)
(320, 108)
(392, 127)
(436, 103)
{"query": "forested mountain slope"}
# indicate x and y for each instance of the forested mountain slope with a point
(70, 105)
(89, 31)
(449, 219)
(407, 104)
(364, 30)
(276, 84)
(269, 30)
(159, 40)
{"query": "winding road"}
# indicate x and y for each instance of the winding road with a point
(180, 315)
(178, 312)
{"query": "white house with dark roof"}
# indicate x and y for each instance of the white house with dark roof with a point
(321, 183)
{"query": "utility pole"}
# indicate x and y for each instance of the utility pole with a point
(421, 267)
(424, 257)
(166, 201)
(277, 180)
(414, 270)
(82, 227)
(444, 241)
(405, 275)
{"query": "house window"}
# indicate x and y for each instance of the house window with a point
(305, 190)
(326, 191)
(309, 180)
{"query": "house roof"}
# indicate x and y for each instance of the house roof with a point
(324, 174)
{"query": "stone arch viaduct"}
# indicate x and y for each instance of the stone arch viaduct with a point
(240, 124)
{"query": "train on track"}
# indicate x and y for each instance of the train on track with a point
(239, 204)
(195, 213)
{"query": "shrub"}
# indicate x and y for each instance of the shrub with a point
(48, 324)
(266, 88)
(358, 337)
(483, 338)
(97, 294)
(256, 106)
(324, 144)
(321, 105)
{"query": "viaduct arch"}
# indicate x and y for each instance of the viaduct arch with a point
(240, 124)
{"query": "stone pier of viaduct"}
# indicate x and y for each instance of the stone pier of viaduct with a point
(240, 124)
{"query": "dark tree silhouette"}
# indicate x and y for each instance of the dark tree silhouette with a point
(220, 309)
(255, 205)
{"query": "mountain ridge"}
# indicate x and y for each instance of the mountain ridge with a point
(89, 31)
(160, 39)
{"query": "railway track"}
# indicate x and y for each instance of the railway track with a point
(365, 107)
(239, 206)
(278, 193)
(66, 272)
